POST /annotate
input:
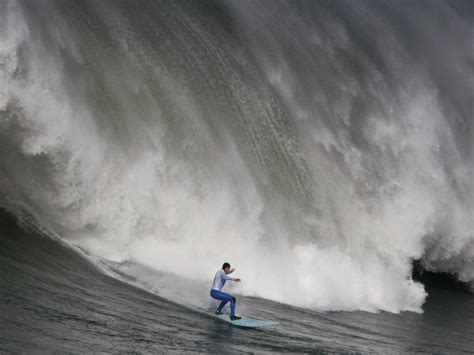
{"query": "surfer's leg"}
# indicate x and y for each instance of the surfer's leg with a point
(223, 303)
(232, 306)
(221, 296)
(225, 297)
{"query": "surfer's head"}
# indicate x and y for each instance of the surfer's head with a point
(226, 267)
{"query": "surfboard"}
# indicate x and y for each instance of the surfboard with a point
(247, 322)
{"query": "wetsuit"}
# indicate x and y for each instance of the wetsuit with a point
(216, 293)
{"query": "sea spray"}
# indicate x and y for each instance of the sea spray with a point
(317, 158)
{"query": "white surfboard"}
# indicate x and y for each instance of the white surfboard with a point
(247, 322)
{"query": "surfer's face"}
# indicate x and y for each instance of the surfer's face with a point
(227, 270)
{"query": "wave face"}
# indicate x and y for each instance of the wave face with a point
(321, 147)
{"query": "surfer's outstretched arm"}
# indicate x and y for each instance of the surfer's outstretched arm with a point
(229, 278)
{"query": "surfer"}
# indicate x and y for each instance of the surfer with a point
(219, 280)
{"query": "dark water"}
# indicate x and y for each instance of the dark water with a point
(53, 300)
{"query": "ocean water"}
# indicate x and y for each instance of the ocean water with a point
(323, 148)
(55, 300)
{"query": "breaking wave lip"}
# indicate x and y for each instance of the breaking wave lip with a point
(180, 146)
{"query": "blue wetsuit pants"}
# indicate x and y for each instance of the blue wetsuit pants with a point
(224, 297)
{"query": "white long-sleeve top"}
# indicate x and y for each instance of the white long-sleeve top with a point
(220, 279)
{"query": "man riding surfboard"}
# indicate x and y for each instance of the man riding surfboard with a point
(219, 281)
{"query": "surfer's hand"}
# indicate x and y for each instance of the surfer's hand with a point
(231, 271)
(237, 280)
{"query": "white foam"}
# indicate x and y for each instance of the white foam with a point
(183, 206)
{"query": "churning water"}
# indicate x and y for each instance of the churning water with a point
(322, 147)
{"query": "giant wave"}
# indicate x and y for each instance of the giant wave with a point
(321, 147)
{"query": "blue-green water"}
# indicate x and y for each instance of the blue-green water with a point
(52, 300)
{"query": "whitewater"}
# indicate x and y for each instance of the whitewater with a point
(321, 147)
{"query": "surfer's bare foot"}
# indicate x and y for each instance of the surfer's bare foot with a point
(235, 318)
(218, 313)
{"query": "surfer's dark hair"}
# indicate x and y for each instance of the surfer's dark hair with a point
(225, 265)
